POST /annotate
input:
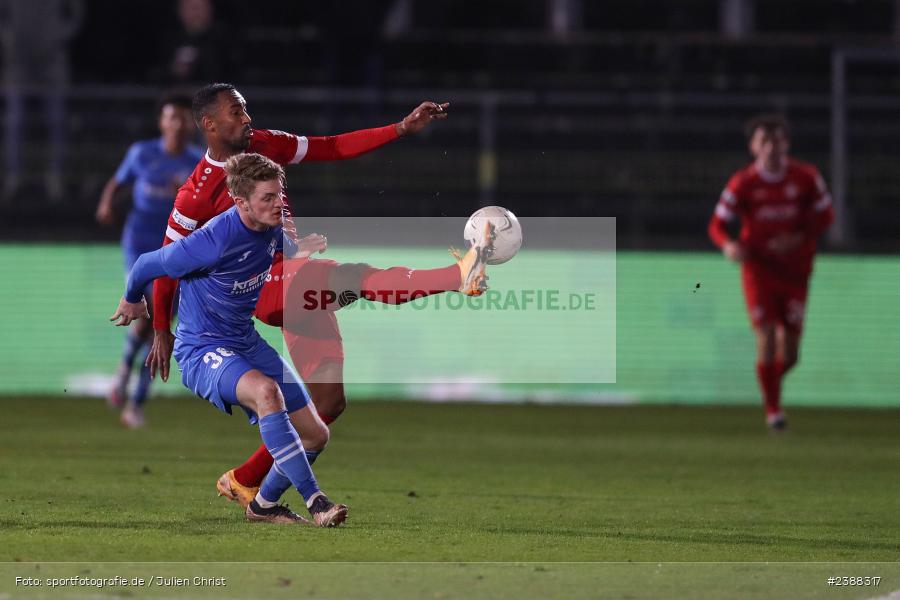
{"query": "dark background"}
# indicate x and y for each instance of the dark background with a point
(632, 109)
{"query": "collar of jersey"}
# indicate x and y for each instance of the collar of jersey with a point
(766, 175)
(215, 163)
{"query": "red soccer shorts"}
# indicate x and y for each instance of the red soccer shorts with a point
(774, 301)
(312, 335)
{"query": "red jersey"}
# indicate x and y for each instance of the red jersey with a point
(205, 194)
(770, 205)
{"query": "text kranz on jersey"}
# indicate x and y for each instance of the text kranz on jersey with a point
(222, 267)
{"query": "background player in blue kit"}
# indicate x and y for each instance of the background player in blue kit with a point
(222, 268)
(155, 168)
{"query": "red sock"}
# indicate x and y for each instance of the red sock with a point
(326, 419)
(769, 376)
(252, 472)
(401, 284)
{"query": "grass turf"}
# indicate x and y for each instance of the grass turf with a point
(464, 483)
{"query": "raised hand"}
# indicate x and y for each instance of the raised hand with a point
(310, 244)
(421, 116)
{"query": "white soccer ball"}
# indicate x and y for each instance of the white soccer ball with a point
(507, 229)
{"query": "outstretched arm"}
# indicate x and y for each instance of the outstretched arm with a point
(184, 220)
(194, 253)
(355, 143)
(191, 254)
(133, 306)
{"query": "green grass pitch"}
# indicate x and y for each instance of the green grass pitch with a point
(560, 499)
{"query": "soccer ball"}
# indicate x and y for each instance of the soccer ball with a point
(507, 229)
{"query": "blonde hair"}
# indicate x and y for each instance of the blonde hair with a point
(244, 171)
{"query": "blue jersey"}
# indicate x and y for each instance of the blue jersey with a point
(156, 176)
(222, 267)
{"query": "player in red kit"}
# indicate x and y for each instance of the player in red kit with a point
(312, 336)
(783, 206)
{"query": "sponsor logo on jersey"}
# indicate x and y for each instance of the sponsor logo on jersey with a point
(250, 285)
(157, 191)
(777, 212)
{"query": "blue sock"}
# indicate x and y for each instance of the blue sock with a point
(283, 443)
(274, 485)
(132, 345)
(142, 389)
(312, 455)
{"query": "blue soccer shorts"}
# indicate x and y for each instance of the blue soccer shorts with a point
(212, 372)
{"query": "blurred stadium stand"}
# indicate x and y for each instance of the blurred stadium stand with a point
(626, 109)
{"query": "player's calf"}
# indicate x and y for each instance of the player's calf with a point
(789, 349)
(262, 394)
(326, 388)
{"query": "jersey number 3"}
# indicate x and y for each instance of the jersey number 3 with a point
(216, 357)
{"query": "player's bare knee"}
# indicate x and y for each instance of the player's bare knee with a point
(268, 397)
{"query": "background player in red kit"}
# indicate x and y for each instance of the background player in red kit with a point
(783, 206)
(313, 337)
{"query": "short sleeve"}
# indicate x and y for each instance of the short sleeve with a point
(128, 169)
(186, 216)
(729, 205)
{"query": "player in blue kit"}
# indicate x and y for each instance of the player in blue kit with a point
(155, 169)
(222, 268)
